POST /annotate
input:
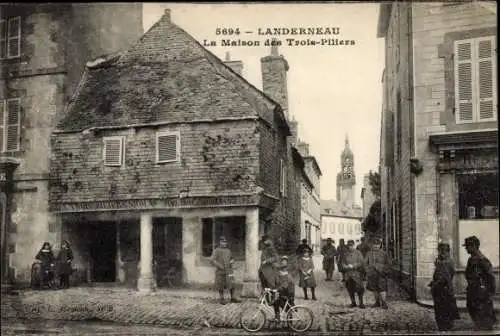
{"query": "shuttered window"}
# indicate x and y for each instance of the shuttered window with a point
(475, 80)
(10, 127)
(10, 38)
(168, 146)
(113, 150)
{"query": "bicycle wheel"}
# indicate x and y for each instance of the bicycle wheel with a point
(299, 318)
(252, 319)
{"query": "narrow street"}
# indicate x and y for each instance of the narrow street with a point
(190, 312)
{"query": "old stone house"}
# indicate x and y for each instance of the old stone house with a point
(43, 50)
(164, 149)
(439, 143)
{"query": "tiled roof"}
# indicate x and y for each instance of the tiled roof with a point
(338, 209)
(167, 76)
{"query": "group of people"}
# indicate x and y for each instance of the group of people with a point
(63, 260)
(480, 287)
(366, 262)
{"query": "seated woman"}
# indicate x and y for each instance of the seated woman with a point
(46, 256)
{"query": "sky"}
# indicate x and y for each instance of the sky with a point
(332, 90)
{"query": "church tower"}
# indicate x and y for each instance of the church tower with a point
(346, 179)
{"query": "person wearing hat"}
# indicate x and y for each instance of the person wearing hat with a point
(302, 247)
(224, 276)
(285, 286)
(480, 286)
(352, 265)
(377, 266)
(445, 303)
(64, 259)
(341, 250)
(268, 260)
(329, 253)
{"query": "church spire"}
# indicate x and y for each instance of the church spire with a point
(346, 140)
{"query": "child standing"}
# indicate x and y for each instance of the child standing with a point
(306, 273)
(285, 287)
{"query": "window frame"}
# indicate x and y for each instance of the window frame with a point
(475, 85)
(16, 37)
(4, 125)
(177, 146)
(122, 150)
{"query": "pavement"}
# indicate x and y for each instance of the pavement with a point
(199, 310)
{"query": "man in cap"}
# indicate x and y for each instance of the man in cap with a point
(480, 286)
(302, 247)
(224, 276)
(329, 252)
(352, 265)
(377, 266)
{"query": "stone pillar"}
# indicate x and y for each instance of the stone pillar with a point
(252, 262)
(145, 283)
(120, 274)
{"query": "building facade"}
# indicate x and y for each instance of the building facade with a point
(155, 161)
(439, 147)
(43, 50)
(310, 219)
(341, 218)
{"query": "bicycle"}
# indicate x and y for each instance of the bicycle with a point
(289, 314)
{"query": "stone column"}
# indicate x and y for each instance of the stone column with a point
(252, 262)
(145, 283)
(120, 274)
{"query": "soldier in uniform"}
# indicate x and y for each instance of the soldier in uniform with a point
(480, 286)
(377, 266)
(329, 252)
(224, 276)
(341, 249)
(352, 266)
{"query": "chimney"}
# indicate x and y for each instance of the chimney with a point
(304, 148)
(236, 66)
(294, 125)
(274, 83)
(167, 14)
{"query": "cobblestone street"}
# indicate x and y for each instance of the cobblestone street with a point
(199, 310)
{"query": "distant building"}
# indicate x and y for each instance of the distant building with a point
(439, 136)
(310, 219)
(43, 51)
(367, 195)
(342, 218)
(165, 149)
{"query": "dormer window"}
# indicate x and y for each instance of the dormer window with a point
(113, 150)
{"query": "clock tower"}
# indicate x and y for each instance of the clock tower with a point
(346, 179)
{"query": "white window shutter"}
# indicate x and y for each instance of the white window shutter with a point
(14, 37)
(13, 123)
(168, 147)
(486, 78)
(3, 39)
(464, 83)
(113, 151)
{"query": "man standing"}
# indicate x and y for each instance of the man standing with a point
(480, 286)
(341, 249)
(363, 247)
(224, 276)
(329, 252)
(302, 247)
(352, 265)
(377, 266)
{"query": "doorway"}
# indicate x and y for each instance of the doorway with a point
(102, 247)
(167, 251)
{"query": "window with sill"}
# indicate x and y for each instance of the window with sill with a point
(10, 37)
(233, 228)
(113, 150)
(10, 125)
(168, 146)
(475, 80)
(478, 213)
